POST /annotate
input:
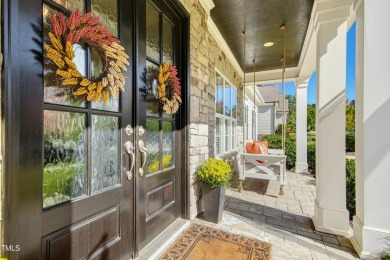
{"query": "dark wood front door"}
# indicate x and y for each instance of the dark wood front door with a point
(160, 184)
(71, 190)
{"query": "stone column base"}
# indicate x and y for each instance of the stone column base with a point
(331, 220)
(301, 167)
(369, 242)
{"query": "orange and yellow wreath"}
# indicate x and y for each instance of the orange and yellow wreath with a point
(167, 79)
(86, 29)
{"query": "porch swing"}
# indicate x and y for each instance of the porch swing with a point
(258, 161)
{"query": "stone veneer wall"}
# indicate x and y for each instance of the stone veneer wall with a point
(205, 56)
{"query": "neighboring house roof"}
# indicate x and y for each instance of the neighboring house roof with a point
(280, 100)
(269, 94)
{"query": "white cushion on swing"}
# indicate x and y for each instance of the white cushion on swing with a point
(263, 149)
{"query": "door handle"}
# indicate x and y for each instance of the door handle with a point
(144, 154)
(129, 147)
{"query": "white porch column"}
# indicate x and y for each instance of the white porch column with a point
(330, 213)
(371, 225)
(301, 127)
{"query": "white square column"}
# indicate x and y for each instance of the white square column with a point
(371, 225)
(330, 213)
(301, 128)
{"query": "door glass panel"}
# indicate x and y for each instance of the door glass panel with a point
(105, 152)
(54, 93)
(167, 41)
(152, 104)
(219, 94)
(168, 152)
(72, 4)
(64, 156)
(152, 32)
(107, 10)
(153, 145)
(165, 115)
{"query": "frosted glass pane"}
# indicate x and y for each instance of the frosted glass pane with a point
(105, 152)
(107, 10)
(72, 4)
(153, 107)
(153, 145)
(53, 92)
(167, 41)
(168, 151)
(97, 67)
(64, 157)
(152, 32)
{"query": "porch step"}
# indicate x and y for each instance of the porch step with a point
(158, 245)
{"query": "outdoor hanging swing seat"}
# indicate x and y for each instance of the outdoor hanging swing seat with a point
(258, 161)
(269, 165)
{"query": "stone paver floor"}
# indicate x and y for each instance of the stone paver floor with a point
(285, 221)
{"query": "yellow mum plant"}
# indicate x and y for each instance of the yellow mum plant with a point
(215, 172)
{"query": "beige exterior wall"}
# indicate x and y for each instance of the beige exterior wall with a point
(205, 56)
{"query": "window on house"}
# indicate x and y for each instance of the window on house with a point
(226, 116)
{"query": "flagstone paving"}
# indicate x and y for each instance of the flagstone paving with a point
(285, 221)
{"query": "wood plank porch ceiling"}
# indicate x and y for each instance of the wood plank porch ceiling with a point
(261, 19)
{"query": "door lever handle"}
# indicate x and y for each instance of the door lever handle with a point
(144, 155)
(129, 147)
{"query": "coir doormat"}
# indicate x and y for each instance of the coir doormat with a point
(204, 242)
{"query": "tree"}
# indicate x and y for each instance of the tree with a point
(350, 116)
(311, 117)
(291, 123)
(291, 109)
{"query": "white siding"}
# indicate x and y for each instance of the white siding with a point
(251, 119)
(250, 126)
(279, 119)
(265, 119)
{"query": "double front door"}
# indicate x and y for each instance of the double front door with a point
(94, 180)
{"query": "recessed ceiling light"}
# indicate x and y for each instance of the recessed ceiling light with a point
(268, 44)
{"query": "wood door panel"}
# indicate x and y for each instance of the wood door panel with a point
(154, 181)
(111, 252)
(86, 238)
(65, 215)
(159, 191)
(158, 223)
(158, 198)
(89, 222)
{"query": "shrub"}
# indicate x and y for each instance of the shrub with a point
(215, 172)
(279, 129)
(275, 142)
(290, 153)
(351, 196)
(311, 157)
(350, 142)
